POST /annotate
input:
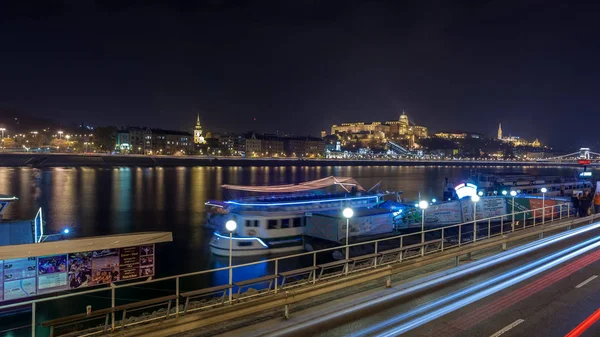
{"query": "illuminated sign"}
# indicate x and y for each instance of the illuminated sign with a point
(32, 276)
(465, 190)
(584, 161)
(585, 174)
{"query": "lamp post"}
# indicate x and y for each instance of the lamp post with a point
(475, 199)
(348, 213)
(2, 129)
(513, 194)
(60, 133)
(423, 206)
(543, 190)
(231, 226)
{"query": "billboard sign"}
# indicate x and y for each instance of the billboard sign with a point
(26, 277)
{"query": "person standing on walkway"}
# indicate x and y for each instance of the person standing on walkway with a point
(584, 204)
(597, 202)
(575, 202)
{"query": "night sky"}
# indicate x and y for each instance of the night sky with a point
(300, 66)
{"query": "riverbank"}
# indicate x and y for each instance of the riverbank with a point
(107, 160)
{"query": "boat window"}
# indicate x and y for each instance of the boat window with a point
(272, 224)
(535, 190)
(285, 223)
(256, 223)
(248, 223)
(244, 243)
(297, 222)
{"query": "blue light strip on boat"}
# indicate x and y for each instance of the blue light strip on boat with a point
(298, 202)
(250, 238)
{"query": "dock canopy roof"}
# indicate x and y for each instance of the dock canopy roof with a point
(83, 244)
(346, 183)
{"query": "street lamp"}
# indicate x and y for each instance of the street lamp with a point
(231, 226)
(423, 206)
(513, 194)
(348, 213)
(2, 129)
(475, 199)
(504, 193)
(544, 190)
(480, 193)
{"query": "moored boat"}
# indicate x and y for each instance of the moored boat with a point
(272, 219)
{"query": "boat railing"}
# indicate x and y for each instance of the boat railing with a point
(410, 245)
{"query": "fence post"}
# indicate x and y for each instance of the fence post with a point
(276, 272)
(489, 228)
(552, 216)
(524, 218)
(560, 211)
(315, 267)
(534, 218)
(459, 234)
(568, 210)
(177, 298)
(376, 246)
(112, 295)
(401, 239)
(33, 319)
(442, 239)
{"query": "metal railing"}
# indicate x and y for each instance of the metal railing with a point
(451, 236)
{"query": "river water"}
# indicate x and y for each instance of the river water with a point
(100, 201)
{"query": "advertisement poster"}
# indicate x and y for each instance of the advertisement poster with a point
(129, 263)
(105, 266)
(537, 204)
(31, 276)
(443, 214)
(52, 273)
(486, 208)
(19, 280)
(80, 270)
(147, 260)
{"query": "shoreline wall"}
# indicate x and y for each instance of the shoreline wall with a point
(101, 160)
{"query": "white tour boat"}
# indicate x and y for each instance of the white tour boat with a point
(273, 219)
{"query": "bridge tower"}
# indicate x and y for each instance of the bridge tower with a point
(584, 153)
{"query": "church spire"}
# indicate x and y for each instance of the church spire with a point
(198, 138)
(499, 131)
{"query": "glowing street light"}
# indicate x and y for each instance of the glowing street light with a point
(231, 226)
(504, 193)
(348, 213)
(475, 199)
(423, 206)
(543, 190)
(2, 130)
(60, 133)
(513, 194)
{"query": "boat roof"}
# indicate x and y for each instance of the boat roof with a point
(83, 244)
(6, 197)
(358, 212)
(346, 183)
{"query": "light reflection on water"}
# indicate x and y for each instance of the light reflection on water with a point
(99, 201)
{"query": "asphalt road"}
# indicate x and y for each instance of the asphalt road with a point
(550, 302)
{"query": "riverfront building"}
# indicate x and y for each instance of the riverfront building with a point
(136, 140)
(398, 130)
(517, 141)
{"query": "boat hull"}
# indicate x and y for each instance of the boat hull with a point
(254, 252)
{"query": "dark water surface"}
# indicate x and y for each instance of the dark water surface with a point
(97, 201)
(93, 201)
